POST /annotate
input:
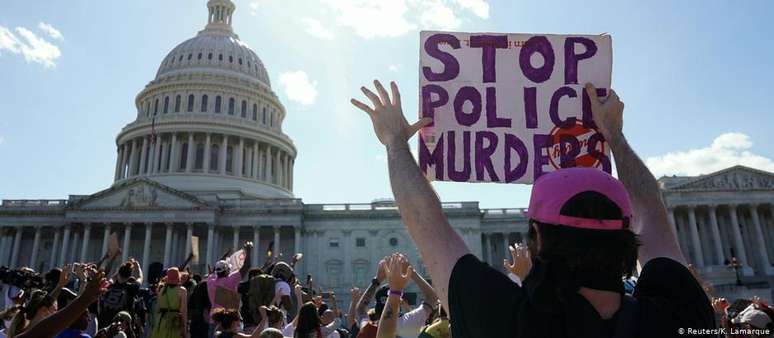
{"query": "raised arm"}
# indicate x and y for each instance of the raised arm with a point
(650, 216)
(136, 270)
(419, 206)
(398, 273)
(247, 248)
(368, 294)
(428, 293)
(351, 314)
(60, 320)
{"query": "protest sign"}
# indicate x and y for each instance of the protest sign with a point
(237, 260)
(195, 249)
(510, 107)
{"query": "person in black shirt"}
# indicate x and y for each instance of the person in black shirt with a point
(582, 241)
(198, 310)
(122, 294)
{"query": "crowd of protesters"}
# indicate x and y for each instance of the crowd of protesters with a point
(589, 234)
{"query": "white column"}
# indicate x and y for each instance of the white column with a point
(167, 244)
(210, 240)
(672, 222)
(188, 236)
(86, 239)
(292, 163)
(118, 163)
(255, 161)
(207, 145)
(156, 154)
(759, 239)
(65, 245)
(143, 156)
(16, 246)
(223, 155)
(235, 243)
(189, 158)
(239, 158)
(280, 168)
(269, 164)
(127, 241)
(739, 249)
(173, 157)
(485, 248)
(71, 256)
(277, 248)
(133, 159)
(697, 252)
(35, 248)
(297, 243)
(720, 257)
(146, 249)
(256, 243)
(105, 239)
(164, 157)
(54, 250)
(124, 154)
(259, 175)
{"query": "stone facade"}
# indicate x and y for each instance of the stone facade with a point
(219, 168)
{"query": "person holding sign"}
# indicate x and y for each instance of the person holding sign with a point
(587, 230)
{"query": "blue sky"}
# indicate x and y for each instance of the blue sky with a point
(695, 77)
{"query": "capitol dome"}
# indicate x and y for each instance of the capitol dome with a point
(209, 122)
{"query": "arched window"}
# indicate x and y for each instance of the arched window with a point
(156, 107)
(166, 104)
(229, 158)
(263, 119)
(214, 153)
(199, 57)
(181, 58)
(231, 106)
(230, 59)
(147, 108)
(248, 64)
(177, 104)
(190, 103)
(209, 56)
(220, 57)
(255, 112)
(190, 56)
(240, 61)
(217, 104)
(204, 103)
(333, 269)
(244, 109)
(271, 121)
(199, 164)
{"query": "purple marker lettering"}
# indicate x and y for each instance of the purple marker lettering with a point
(488, 45)
(451, 67)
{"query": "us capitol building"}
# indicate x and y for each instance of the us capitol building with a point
(207, 157)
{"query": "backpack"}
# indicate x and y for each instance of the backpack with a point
(260, 292)
(115, 299)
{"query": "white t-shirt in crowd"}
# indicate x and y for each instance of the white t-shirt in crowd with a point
(410, 323)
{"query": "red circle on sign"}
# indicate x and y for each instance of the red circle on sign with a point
(582, 134)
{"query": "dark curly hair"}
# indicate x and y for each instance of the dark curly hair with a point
(583, 251)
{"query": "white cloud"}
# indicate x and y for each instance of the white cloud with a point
(726, 150)
(298, 87)
(393, 68)
(380, 18)
(371, 19)
(51, 31)
(315, 28)
(33, 48)
(437, 15)
(2, 140)
(254, 8)
(478, 7)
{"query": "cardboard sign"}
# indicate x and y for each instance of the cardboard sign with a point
(510, 107)
(237, 260)
(113, 245)
(195, 249)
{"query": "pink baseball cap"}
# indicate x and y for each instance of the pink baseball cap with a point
(551, 191)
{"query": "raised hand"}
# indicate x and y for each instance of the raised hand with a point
(387, 116)
(92, 290)
(355, 293)
(381, 273)
(522, 262)
(608, 113)
(398, 272)
(64, 277)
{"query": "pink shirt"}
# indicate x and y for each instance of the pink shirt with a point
(229, 282)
